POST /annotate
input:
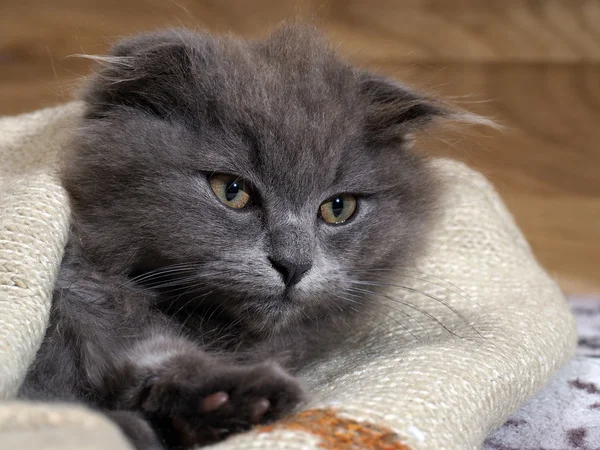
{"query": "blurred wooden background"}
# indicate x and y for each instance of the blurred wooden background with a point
(534, 65)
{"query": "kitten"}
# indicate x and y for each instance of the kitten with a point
(225, 193)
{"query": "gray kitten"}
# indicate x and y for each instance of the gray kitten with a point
(225, 194)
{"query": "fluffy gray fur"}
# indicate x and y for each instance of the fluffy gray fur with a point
(167, 303)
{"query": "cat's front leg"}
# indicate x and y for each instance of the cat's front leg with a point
(190, 398)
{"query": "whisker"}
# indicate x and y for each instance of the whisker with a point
(196, 266)
(172, 282)
(174, 315)
(432, 297)
(198, 303)
(356, 291)
(157, 274)
(460, 292)
(404, 327)
(410, 305)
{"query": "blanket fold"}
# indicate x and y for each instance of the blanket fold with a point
(458, 343)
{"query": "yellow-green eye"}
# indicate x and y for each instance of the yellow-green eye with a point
(231, 190)
(338, 209)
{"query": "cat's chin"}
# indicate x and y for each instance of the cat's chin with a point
(278, 314)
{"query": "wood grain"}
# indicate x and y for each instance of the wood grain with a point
(533, 65)
(473, 30)
(546, 163)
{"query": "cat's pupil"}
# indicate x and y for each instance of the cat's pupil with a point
(232, 190)
(337, 206)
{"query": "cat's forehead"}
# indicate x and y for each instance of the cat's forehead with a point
(293, 114)
(300, 90)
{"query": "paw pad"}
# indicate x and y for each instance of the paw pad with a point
(213, 401)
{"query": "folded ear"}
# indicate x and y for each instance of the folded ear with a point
(394, 111)
(151, 72)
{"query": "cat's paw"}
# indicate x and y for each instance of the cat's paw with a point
(216, 403)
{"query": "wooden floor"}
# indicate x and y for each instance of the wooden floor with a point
(533, 65)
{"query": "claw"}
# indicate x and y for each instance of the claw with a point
(214, 401)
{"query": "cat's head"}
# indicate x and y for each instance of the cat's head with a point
(267, 176)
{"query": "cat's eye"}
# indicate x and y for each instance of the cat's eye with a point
(338, 209)
(231, 190)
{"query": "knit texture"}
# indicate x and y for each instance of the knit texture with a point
(33, 231)
(565, 415)
(458, 344)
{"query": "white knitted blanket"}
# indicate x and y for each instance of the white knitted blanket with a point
(565, 415)
(495, 326)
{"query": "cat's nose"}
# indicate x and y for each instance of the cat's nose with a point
(291, 272)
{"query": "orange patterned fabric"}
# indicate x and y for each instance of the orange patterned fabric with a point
(338, 433)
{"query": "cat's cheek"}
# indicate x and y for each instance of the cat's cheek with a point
(325, 272)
